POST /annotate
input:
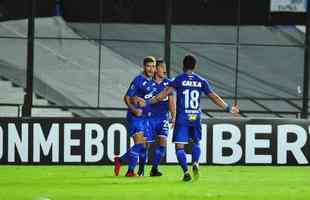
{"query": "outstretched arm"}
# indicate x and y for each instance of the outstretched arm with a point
(221, 103)
(161, 96)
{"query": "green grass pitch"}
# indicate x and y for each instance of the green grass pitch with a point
(98, 183)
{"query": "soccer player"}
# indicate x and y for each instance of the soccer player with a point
(138, 116)
(160, 119)
(189, 87)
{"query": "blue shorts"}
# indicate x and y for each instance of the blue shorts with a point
(140, 125)
(160, 126)
(186, 133)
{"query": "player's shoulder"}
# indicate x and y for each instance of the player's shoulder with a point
(178, 79)
(180, 76)
(198, 77)
(139, 78)
(167, 81)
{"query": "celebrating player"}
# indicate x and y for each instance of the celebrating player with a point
(189, 87)
(138, 117)
(160, 119)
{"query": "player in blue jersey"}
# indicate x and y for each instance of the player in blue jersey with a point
(189, 87)
(138, 117)
(160, 119)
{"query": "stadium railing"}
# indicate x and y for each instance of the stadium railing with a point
(208, 112)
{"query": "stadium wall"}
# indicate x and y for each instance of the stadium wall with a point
(216, 12)
(97, 141)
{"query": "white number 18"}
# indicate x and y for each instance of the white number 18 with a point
(191, 99)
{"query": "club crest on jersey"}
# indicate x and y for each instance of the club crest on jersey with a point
(191, 83)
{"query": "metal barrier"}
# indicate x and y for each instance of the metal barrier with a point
(243, 113)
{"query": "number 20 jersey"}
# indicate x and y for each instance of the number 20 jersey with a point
(189, 87)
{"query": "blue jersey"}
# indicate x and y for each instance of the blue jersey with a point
(161, 108)
(142, 87)
(189, 87)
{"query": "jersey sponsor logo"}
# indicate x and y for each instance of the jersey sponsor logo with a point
(149, 95)
(192, 117)
(191, 83)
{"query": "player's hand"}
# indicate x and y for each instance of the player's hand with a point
(138, 101)
(234, 109)
(137, 112)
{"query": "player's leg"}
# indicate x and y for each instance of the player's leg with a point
(143, 158)
(136, 131)
(160, 151)
(196, 150)
(134, 153)
(181, 156)
(180, 137)
(131, 156)
(149, 138)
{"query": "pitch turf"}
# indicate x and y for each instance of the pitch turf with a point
(98, 183)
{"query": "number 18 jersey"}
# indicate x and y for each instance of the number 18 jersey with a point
(189, 87)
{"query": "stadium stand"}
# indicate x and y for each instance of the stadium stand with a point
(264, 72)
(14, 95)
(66, 71)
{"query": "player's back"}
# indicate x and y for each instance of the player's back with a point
(189, 88)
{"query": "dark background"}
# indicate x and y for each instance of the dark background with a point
(253, 12)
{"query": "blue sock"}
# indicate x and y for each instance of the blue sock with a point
(143, 156)
(182, 159)
(159, 154)
(133, 155)
(196, 151)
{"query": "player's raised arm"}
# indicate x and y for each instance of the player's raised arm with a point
(221, 103)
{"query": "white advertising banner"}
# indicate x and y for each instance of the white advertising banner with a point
(97, 141)
(288, 5)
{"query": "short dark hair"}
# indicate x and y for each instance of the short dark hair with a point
(189, 62)
(149, 59)
(159, 61)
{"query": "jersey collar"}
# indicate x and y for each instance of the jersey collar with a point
(147, 78)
